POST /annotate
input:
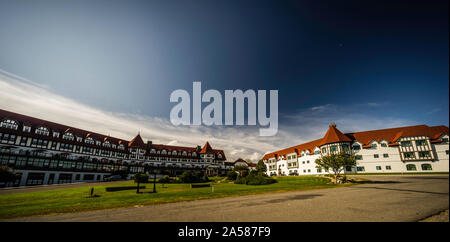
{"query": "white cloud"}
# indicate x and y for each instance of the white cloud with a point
(25, 97)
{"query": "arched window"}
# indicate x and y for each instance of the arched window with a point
(68, 136)
(426, 167)
(411, 167)
(9, 124)
(220, 156)
(121, 147)
(184, 153)
(194, 154)
(163, 152)
(42, 131)
(106, 144)
(174, 152)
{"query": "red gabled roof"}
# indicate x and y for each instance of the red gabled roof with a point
(391, 135)
(333, 135)
(137, 142)
(207, 149)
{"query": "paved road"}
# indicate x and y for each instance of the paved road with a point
(387, 198)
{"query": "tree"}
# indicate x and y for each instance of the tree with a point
(336, 162)
(140, 178)
(243, 170)
(6, 174)
(261, 167)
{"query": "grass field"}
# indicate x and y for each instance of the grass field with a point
(67, 200)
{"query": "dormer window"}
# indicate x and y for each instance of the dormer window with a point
(27, 129)
(89, 140)
(383, 144)
(121, 147)
(98, 142)
(55, 134)
(174, 152)
(79, 139)
(374, 146)
(9, 124)
(68, 136)
(42, 131)
(106, 144)
(356, 147)
(113, 146)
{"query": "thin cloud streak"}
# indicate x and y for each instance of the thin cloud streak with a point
(28, 98)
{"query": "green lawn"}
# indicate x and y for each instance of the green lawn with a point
(76, 199)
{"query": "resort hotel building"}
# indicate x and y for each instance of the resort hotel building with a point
(406, 149)
(43, 152)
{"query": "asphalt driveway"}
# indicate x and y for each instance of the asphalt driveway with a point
(386, 198)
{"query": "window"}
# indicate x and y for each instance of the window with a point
(383, 145)
(424, 154)
(446, 152)
(348, 168)
(388, 168)
(344, 147)
(426, 167)
(333, 148)
(26, 129)
(68, 136)
(445, 140)
(317, 152)
(324, 150)
(409, 154)
(385, 155)
(359, 157)
(406, 143)
(79, 139)
(373, 146)
(421, 142)
(356, 147)
(106, 144)
(411, 167)
(42, 131)
(55, 134)
(360, 168)
(319, 170)
(378, 168)
(89, 140)
(376, 156)
(9, 124)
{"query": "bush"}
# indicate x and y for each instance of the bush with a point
(140, 178)
(255, 178)
(165, 179)
(232, 175)
(193, 177)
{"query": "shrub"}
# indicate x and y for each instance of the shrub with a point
(232, 175)
(193, 177)
(240, 180)
(255, 178)
(140, 178)
(165, 179)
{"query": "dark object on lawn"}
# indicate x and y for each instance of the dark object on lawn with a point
(115, 189)
(200, 185)
(92, 191)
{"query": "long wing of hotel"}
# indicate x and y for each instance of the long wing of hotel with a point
(406, 149)
(43, 152)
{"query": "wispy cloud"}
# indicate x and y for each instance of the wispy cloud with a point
(26, 97)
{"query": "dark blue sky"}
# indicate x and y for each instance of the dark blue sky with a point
(128, 56)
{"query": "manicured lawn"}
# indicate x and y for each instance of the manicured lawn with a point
(399, 173)
(76, 199)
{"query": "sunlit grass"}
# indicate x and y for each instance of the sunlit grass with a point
(77, 199)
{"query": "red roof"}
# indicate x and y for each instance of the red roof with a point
(333, 135)
(365, 137)
(207, 149)
(137, 142)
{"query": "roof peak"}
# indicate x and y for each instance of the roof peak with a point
(207, 148)
(137, 142)
(334, 135)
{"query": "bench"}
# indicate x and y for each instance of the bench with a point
(115, 189)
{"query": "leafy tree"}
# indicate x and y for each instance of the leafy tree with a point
(140, 178)
(335, 163)
(193, 177)
(261, 167)
(6, 174)
(242, 170)
(232, 175)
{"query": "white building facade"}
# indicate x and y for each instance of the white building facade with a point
(398, 150)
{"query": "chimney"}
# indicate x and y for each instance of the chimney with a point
(149, 144)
